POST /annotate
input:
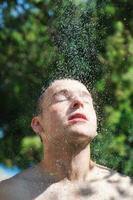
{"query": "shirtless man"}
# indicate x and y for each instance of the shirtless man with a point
(66, 123)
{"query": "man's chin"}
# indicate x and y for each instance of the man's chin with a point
(80, 130)
(80, 136)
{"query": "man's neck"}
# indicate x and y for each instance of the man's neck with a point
(80, 165)
(63, 164)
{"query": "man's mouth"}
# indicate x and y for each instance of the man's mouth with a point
(77, 117)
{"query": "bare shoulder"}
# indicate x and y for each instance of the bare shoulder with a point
(27, 185)
(10, 188)
(111, 174)
(111, 184)
(114, 178)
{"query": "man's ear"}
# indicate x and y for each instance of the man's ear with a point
(36, 125)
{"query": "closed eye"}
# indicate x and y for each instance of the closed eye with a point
(86, 97)
(62, 95)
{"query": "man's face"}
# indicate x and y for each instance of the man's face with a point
(67, 111)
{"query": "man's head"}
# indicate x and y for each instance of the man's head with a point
(66, 112)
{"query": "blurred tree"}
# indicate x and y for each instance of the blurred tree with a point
(117, 84)
(25, 59)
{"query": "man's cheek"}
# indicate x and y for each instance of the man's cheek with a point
(56, 111)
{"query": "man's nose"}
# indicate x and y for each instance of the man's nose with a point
(77, 102)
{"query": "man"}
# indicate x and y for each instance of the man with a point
(66, 123)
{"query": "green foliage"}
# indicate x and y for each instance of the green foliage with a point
(25, 59)
(118, 104)
(89, 40)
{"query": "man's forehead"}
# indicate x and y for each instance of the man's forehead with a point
(72, 85)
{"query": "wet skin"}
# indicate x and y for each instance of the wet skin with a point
(67, 124)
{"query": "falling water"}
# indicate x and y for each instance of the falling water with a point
(76, 40)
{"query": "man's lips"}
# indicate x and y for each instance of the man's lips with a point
(77, 116)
